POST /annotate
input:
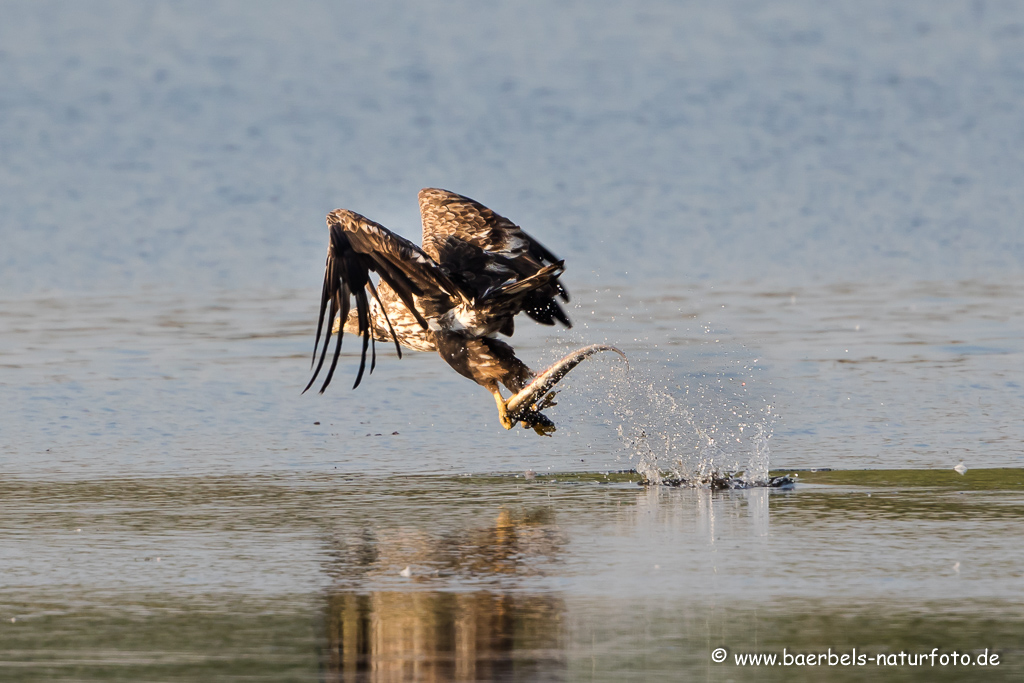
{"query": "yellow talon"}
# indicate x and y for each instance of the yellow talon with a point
(502, 411)
(542, 429)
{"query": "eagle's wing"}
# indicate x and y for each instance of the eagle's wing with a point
(481, 249)
(358, 246)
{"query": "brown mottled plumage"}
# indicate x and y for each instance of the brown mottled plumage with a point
(475, 272)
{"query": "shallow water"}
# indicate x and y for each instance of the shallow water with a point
(800, 221)
(561, 577)
(172, 510)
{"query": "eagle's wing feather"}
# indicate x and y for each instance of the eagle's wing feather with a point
(483, 249)
(359, 246)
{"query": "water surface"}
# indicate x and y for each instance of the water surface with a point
(801, 221)
(501, 578)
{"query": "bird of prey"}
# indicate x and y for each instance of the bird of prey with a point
(475, 271)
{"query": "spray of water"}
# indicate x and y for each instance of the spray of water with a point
(694, 406)
(699, 419)
(700, 429)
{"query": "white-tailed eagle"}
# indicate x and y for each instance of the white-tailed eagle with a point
(474, 273)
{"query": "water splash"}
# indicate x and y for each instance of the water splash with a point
(695, 406)
(704, 428)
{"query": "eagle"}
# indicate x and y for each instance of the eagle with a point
(473, 274)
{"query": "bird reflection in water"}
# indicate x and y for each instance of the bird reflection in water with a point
(425, 634)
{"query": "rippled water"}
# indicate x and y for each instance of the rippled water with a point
(852, 376)
(172, 509)
(484, 578)
(801, 222)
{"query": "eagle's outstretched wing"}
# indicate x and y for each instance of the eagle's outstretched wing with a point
(481, 249)
(358, 246)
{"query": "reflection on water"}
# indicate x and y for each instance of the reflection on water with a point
(434, 635)
(443, 636)
(574, 577)
(514, 546)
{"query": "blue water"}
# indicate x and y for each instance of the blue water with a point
(193, 146)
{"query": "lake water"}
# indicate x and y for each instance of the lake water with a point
(801, 223)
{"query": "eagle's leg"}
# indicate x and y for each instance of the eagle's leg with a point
(506, 421)
(531, 419)
(490, 362)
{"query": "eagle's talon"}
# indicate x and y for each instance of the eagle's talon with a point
(546, 402)
(538, 422)
(544, 430)
(506, 421)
